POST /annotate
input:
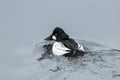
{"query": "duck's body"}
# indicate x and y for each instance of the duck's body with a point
(68, 48)
(64, 45)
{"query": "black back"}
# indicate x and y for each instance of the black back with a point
(74, 52)
(70, 43)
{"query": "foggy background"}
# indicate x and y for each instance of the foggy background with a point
(24, 23)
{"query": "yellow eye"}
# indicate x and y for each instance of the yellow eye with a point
(56, 34)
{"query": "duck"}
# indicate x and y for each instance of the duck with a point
(64, 45)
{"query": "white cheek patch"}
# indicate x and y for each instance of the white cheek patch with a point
(54, 37)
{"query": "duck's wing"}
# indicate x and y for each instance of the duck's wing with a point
(72, 44)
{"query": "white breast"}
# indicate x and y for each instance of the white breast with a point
(59, 49)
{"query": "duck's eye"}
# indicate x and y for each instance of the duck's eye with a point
(56, 34)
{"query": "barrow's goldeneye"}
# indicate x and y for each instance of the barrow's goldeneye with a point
(64, 45)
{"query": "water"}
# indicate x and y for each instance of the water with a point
(24, 23)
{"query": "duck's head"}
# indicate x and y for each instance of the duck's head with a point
(58, 35)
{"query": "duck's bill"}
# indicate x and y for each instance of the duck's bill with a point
(48, 38)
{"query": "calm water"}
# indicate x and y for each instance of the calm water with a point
(24, 23)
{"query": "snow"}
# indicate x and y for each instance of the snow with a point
(24, 23)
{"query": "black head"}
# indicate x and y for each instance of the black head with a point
(58, 35)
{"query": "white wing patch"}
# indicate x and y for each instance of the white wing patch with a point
(59, 49)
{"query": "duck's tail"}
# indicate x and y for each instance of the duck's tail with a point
(78, 53)
(75, 53)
